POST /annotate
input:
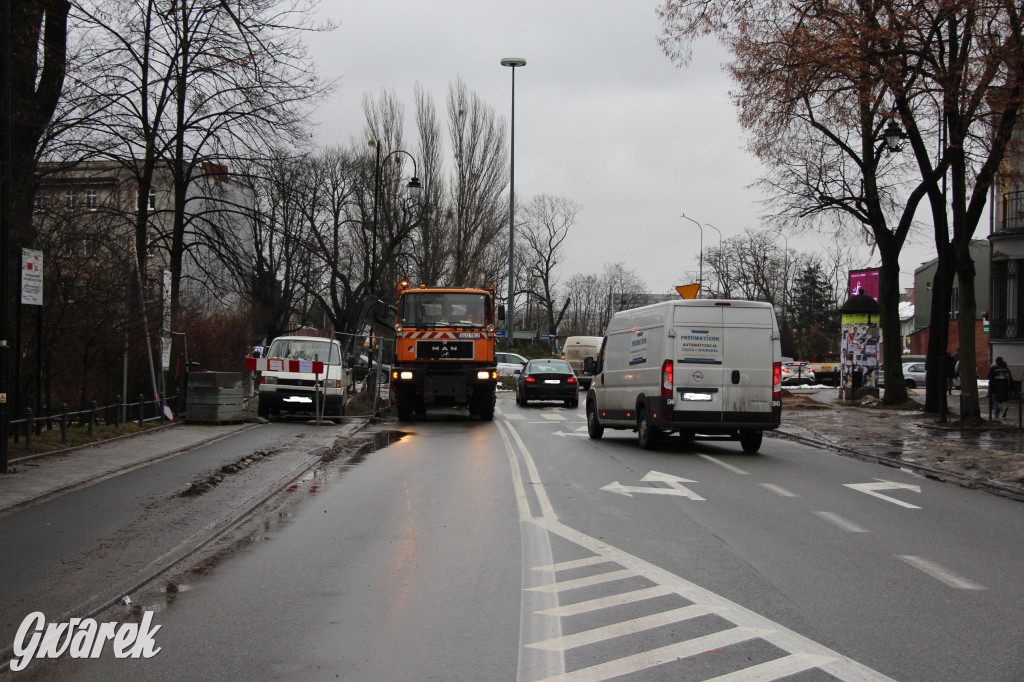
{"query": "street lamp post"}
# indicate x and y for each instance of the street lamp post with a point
(414, 188)
(512, 62)
(700, 276)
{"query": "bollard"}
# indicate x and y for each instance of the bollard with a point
(92, 417)
(63, 422)
(117, 411)
(142, 409)
(28, 428)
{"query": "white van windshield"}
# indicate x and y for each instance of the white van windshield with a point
(305, 349)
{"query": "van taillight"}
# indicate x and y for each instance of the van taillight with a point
(666, 379)
(776, 381)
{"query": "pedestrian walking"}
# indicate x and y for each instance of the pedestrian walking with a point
(1000, 381)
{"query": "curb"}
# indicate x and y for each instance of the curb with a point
(934, 473)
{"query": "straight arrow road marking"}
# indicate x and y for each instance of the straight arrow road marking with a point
(880, 484)
(563, 434)
(675, 484)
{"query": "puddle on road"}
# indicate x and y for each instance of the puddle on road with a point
(269, 519)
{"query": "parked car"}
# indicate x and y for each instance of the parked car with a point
(509, 363)
(913, 374)
(549, 379)
(360, 366)
(796, 373)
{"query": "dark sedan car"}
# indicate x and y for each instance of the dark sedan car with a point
(547, 380)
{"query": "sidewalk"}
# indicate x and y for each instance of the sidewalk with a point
(990, 458)
(36, 479)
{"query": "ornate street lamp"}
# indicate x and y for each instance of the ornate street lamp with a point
(414, 188)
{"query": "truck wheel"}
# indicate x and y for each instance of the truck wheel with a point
(594, 428)
(646, 433)
(750, 440)
(263, 411)
(487, 411)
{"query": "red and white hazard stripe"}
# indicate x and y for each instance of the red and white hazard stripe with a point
(428, 335)
(282, 365)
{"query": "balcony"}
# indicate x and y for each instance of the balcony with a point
(1013, 212)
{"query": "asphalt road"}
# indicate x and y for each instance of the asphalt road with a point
(521, 549)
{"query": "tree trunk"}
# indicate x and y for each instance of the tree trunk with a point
(935, 400)
(970, 405)
(888, 299)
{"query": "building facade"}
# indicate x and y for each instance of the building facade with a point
(1006, 315)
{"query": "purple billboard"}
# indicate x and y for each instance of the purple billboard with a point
(866, 280)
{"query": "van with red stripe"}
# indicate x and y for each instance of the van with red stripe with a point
(698, 367)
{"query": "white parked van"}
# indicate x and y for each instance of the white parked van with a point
(289, 384)
(709, 367)
(577, 349)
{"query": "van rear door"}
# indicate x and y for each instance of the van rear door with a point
(699, 352)
(750, 343)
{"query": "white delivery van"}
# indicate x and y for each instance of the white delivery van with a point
(577, 349)
(321, 393)
(708, 367)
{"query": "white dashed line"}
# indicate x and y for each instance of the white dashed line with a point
(840, 522)
(940, 573)
(778, 490)
(725, 465)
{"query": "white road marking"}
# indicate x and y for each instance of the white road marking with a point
(589, 581)
(628, 490)
(553, 416)
(940, 573)
(622, 628)
(665, 654)
(726, 465)
(880, 484)
(574, 434)
(778, 490)
(840, 522)
(775, 669)
(748, 624)
(515, 416)
(575, 563)
(608, 602)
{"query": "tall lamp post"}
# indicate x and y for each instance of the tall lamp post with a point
(512, 62)
(414, 188)
(700, 276)
(719, 271)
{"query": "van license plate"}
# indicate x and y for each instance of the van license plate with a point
(696, 396)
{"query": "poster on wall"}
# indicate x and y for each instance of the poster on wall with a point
(866, 280)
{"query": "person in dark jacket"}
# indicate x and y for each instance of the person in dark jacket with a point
(950, 372)
(1000, 380)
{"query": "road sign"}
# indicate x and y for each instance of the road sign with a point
(879, 484)
(500, 334)
(674, 484)
(688, 291)
(31, 277)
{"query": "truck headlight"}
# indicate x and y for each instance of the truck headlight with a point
(483, 376)
(405, 375)
(268, 379)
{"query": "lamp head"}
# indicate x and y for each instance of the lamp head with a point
(513, 61)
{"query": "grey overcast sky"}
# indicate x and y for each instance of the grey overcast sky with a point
(601, 117)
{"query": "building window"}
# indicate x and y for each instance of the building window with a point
(151, 203)
(69, 200)
(40, 200)
(92, 199)
(954, 304)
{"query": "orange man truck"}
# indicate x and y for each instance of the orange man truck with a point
(444, 350)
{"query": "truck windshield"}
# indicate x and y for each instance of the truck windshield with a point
(443, 309)
(305, 349)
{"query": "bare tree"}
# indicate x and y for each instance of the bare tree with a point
(479, 209)
(546, 224)
(432, 250)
